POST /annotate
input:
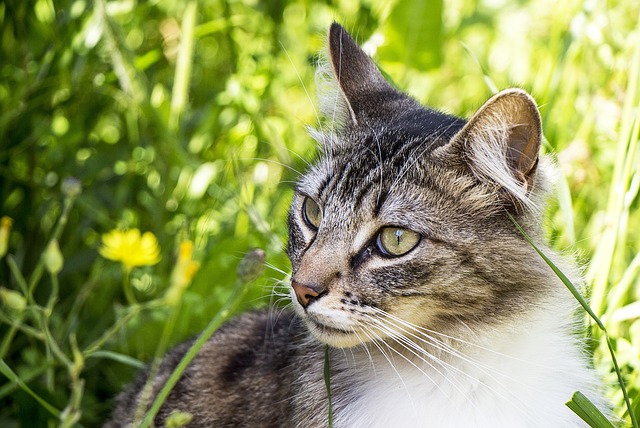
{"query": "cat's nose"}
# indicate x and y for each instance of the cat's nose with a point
(304, 293)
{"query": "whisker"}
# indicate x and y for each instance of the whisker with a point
(408, 166)
(431, 342)
(410, 346)
(440, 345)
(302, 83)
(452, 338)
(416, 350)
(277, 269)
(274, 162)
(377, 342)
(418, 368)
(365, 347)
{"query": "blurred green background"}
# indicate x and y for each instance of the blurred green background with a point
(187, 119)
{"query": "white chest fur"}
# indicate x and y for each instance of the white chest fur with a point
(517, 379)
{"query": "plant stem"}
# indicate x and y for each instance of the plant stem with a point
(50, 342)
(180, 92)
(53, 296)
(72, 413)
(15, 270)
(128, 291)
(147, 391)
(17, 324)
(8, 338)
(39, 269)
(213, 325)
(26, 378)
(133, 311)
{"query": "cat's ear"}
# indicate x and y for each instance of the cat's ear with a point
(362, 88)
(500, 144)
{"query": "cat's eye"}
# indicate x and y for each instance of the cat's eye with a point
(396, 241)
(311, 213)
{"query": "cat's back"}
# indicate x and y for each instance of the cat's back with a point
(242, 376)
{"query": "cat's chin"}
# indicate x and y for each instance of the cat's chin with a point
(332, 336)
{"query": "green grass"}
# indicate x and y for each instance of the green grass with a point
(187, 119)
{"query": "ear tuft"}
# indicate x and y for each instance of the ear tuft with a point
(501, 142)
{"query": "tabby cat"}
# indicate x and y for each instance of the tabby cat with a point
(407, 269)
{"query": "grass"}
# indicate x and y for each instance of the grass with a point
(187, 120)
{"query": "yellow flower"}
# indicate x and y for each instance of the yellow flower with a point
(130, 248)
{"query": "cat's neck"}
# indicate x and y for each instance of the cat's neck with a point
(507, 364)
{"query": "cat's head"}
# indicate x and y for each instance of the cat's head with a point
(402, 221)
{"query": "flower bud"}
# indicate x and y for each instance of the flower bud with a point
(12, 299)
(53, 260)
(5, 231)
(251, 266)
(71, 187)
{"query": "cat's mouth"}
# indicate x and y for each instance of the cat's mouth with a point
(333, 335)
(329, 329)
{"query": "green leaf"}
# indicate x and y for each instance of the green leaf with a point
(413, 34)
(587, 411)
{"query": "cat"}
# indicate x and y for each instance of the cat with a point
(409, 272)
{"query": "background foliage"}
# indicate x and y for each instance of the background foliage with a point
(188, 120)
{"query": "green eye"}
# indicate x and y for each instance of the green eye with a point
(395, 241)
(311, 213)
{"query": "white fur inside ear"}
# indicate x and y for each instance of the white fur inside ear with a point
(489, 159)
(331, 100)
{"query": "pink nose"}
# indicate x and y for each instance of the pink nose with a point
(304, 293)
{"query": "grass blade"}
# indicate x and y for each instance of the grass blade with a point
(211, 328)
(6, 370)
(587, 411)
(327, 382)
(588, 309)
(180, 91)
(121, 358)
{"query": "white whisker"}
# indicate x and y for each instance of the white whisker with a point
(365, 347)
(378, 342)
(302, 83)
(455, 339)
(274, 162)
(401, 337)
(427, 375)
